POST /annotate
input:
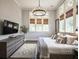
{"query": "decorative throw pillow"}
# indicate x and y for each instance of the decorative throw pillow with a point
(55, 36)
(59, 40)
(52, 36)
(64, 41)
(75, 42)
(70, 39)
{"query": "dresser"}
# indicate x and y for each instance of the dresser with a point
(9, 45)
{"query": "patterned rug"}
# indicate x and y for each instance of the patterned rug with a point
(28, 50)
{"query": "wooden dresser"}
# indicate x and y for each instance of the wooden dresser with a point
(9, 45)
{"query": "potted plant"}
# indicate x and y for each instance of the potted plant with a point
(24, 29)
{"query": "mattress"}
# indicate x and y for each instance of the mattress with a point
(56, 48)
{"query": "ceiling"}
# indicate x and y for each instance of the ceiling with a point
(46, 4)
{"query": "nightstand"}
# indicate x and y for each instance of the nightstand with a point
(76, 53)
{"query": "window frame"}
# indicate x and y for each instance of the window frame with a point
(61, 19)
(40, 24)
(68, 23)
(72, 9)
(60, 26)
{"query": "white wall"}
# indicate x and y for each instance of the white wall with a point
(31, 35)
(9, 10)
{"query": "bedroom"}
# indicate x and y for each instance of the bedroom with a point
(60, 18)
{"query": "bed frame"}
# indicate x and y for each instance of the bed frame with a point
(61, 56)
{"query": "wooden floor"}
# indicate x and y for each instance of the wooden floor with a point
(20, 58)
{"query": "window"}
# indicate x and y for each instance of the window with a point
(61, 16)
(38, 25)
(45, 25)
(32, 25)
(69, 24)
(61, 26)
(68, 7)
(69, 21)
(61, 23)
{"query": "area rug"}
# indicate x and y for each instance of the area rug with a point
(28, 50)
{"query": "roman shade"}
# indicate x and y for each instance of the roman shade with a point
(45, 21)
(32, 21)
(62, 17)
(39, 21)
(69, 13)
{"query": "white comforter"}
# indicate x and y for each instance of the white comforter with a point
(57, 48)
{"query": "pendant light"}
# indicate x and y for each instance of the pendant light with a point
(39, 11)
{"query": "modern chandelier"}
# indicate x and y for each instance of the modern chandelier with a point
(39, 11)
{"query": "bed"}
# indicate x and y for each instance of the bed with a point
(48, 46)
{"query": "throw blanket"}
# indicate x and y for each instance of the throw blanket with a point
(42, 48)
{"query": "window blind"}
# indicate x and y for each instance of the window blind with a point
(45, 21)
(39, 21)
(69, 13)
(32, 21)
(62, 17)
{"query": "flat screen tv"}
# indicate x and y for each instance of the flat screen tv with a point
(10, 27)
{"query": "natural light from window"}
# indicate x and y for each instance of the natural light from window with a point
(69, 24)
(61, 26)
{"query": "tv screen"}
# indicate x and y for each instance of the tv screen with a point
(10, 27)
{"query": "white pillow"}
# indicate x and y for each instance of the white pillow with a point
(52, 36)
(75, 42)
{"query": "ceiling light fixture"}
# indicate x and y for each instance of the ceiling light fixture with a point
(39, 11)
